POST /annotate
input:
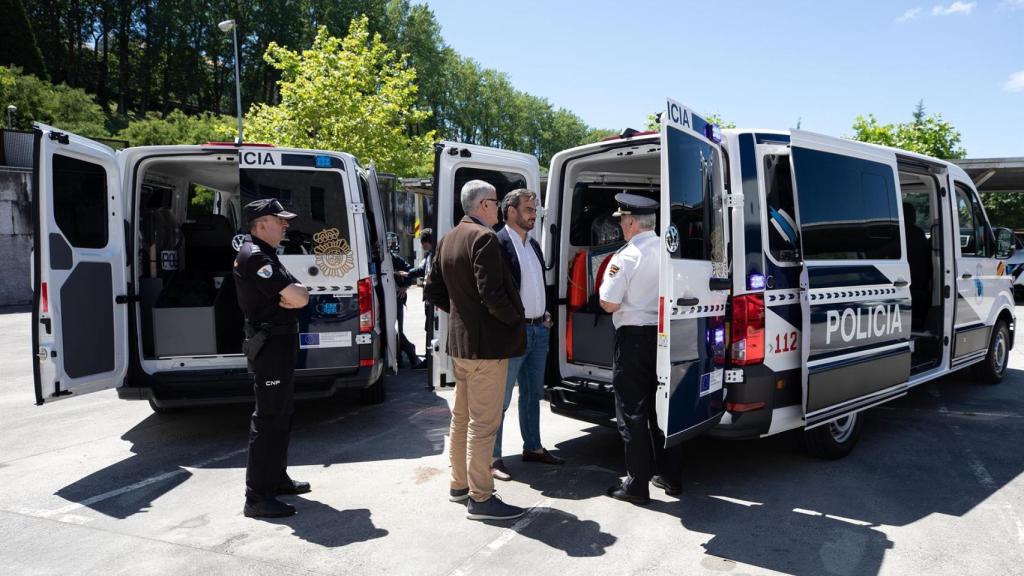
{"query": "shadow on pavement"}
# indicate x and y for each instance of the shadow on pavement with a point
(563, 531)
(410, 424)
(321, 524)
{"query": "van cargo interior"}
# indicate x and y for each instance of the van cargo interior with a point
(924, 254)
(187, 217)
(594, 235)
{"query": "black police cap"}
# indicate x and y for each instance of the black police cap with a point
(634, 205)
(266, 207)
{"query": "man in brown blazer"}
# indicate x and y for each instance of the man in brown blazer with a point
(470, 280)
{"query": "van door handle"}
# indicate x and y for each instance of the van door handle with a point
(967, 276)
(687, 301)
(900, 283)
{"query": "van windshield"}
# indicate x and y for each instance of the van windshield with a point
(317, 197)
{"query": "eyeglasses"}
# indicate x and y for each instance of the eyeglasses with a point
(486, 200)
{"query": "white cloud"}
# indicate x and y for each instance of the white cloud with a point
(911, 14)
(1015, 83)
(1012, 4)
(954, 8)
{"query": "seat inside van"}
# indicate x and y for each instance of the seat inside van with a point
(923, 226)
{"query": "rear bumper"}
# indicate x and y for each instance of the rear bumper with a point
(204, 388)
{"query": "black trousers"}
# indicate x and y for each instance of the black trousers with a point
(405, 347)
(271, 425)
(635, 380)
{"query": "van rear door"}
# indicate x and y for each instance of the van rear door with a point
(693, 283)
(454, 165)
(855, 294)
(387, 276)
(79, 312)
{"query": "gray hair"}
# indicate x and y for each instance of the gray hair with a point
(645, 221)
(472, 192)
(513, 199)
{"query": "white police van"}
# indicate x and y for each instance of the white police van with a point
(793, 295)
(132, 269)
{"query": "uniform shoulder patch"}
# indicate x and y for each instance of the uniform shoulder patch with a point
(266, 271)
(613, 269)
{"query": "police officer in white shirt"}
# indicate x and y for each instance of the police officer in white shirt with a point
(629, 291)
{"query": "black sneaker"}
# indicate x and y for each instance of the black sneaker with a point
(492, 509)
(668, 487)
(458, 494)
(290, 486)
(268, 509)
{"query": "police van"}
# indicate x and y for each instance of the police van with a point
(803, 278)
(132, 269)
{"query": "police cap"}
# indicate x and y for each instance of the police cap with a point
(634, 204)
(266, 207)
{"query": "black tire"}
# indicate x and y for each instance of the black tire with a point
(374, 394)
(993, 368)
(836, 439)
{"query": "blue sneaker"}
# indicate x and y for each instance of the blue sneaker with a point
(458, 494)
(492, 509)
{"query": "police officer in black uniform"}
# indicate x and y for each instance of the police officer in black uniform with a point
(270, 298)
(629, 291)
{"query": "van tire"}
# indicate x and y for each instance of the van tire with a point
(374, 394)
(836, 439)
(993, 368)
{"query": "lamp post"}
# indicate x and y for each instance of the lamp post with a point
(229, 26)
(11, 109)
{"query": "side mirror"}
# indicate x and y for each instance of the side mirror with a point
(1004, 243)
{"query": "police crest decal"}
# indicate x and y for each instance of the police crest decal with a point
(333, 254)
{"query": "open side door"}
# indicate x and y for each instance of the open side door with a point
(79, 312)
(454, 165)
(855, 286)
(387, 276)
(694, 278)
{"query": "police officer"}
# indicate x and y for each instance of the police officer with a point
(629, 292)
(270, 298)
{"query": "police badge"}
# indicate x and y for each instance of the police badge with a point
(333, 254)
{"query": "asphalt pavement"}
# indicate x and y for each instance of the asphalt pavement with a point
(98, 485)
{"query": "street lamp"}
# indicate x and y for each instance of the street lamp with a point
(229, 26)
(10, 116)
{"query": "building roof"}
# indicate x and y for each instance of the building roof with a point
(995, 174)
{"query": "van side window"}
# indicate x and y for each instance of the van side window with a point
(974, 231)
(503, 182)
(783, 232)
(848, 207)
(80, 201)
(696, 203)
(371, 219)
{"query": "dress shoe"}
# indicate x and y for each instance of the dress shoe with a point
(544, 457)
(499, 472)
(290, 486)
(619, 493)
(668, 487)
(267, 509)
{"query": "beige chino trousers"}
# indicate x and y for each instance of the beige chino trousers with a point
(476, 415)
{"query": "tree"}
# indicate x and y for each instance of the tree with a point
(19, 47)
(351, 94)
(177, 128)
(713, 118)
(59, 106)
(930, 135)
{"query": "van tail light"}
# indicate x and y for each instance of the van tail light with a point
(365, 305)
(44, 294)
(744, 406)
(747, 329)
(716, 339)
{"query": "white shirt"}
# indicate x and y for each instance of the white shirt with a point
(531, 275)
(631, 280)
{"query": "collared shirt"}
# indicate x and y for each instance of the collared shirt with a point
(531, 275)
(631, 280)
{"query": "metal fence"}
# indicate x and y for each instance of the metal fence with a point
(16, 148)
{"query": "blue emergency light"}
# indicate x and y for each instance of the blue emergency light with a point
(755, 282)
(323, 161)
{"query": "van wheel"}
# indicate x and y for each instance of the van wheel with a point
(374, 394)
(993, 368)
(835, 439)
(162, 409)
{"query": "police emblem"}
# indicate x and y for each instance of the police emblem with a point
(333, 254)
(613, 270)
(266, 271)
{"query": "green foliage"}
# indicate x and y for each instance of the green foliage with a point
(177, 128)
(19, 45)
(60, 106)
(1005, 209)
(930, 135)
(352, 94)
(714, 118)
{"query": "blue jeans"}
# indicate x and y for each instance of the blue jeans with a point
(528, 369)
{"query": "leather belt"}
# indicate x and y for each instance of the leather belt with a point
(535, 321)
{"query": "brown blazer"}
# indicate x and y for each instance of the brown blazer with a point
(470, 280)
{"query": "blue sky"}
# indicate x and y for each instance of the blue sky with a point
(761, 64)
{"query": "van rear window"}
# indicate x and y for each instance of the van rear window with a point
(317, 197)
(847, 207)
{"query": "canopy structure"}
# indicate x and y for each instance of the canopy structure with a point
(995, 174)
